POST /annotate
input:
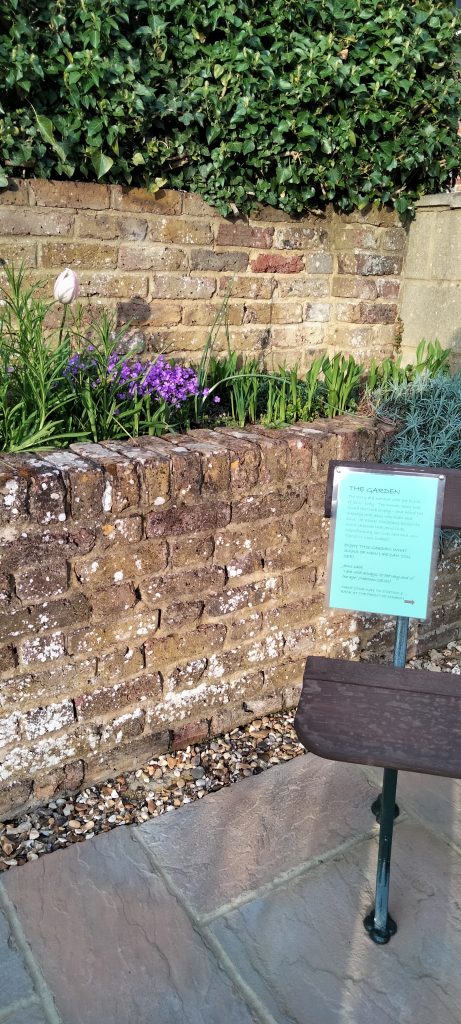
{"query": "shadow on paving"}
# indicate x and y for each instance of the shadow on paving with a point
(244, 908)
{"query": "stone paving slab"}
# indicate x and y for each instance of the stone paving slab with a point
(113, 945)
(304, 951)
(243, 837)
(15, 981)
(32, 1014)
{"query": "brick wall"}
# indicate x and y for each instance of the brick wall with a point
(165, 262)
(156, 592)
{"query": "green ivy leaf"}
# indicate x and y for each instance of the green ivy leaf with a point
(101, 163)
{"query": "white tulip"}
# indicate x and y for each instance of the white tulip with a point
(66, 287)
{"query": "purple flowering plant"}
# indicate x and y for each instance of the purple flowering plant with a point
(115, 394)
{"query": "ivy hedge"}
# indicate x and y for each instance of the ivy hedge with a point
(294, 103)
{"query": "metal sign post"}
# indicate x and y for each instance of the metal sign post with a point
(378, 923)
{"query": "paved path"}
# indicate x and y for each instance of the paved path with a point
(244, 908)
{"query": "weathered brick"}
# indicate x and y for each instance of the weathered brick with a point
(317, 311)
(363, 312)
(119, 564)
(8, 657)
(131, 629)
(180, 231)
(57, 681)
(240, 233)
(297, 236)
(214, 473)
(79, 254)
(113, 284)
(130, 528)
(245, 457)
(41, 649)
(354, 287)
(72, 611)
(208, 259)
(165, 314)
(48, 719)
(232, 544)
(284, 673)
(358, 236)
(28, 222)
(125, 727)
(175, 586)
(13, 494)
(302, 287)
(9, 730)
(393, 239)
(234, 598)
(244, 627)
(247, 287)
(255, 312)
(286, 312)
(185, 676)
(120, 664)
(192, 732)
(151, 460)
(111, 698)
(185, 466)
(24, 253)
(296, 613)
(139, 200)
(111, 226)
(194, 206)
(151, 257)
(165, 286)
(245, 566)
(190, 551)
(175, 616)
(202, 642)
(275, 263)
(84, 485)
(46, 491)
(16, 194)
(200, 314)
(368, 264)
(36, 582)
(268, 505)
(187, 519)
(387, 288)
(121, 484)
(318, 262)
(112, 601)
(82, 195)
(246, 656)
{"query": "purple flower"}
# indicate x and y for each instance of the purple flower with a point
(216, 399)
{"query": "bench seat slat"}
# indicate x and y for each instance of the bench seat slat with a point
(376, 714)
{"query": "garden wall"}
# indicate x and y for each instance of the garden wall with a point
(158, 592)
(165, 262)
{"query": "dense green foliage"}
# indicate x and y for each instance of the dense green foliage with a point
(294, 103)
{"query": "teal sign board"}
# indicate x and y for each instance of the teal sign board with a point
(383, 541)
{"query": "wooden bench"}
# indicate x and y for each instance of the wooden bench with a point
(376, 714)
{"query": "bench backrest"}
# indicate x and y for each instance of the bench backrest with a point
(377, 714)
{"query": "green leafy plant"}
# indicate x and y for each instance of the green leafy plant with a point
(292, 104)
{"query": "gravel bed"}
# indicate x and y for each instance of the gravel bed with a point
(163, 784)
(169, 781)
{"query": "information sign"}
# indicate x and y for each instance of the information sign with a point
(384, 541)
